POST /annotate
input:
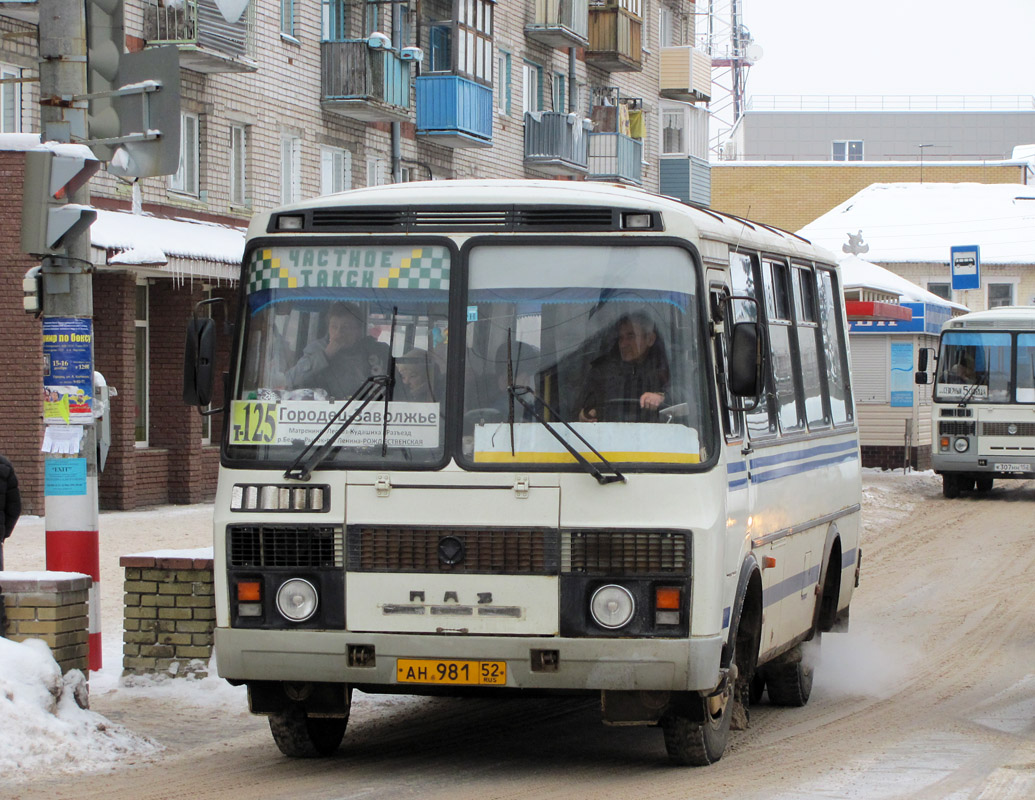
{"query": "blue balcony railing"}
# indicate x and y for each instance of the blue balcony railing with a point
(556, 142)
(454, 111)
(615, 157)
(363, 83)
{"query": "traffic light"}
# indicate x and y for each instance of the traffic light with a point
(105, 43)
(48, 219)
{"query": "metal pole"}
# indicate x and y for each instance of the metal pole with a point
(72, 515)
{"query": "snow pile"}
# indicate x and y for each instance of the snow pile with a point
(42, 724)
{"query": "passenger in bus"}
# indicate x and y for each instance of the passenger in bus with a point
(629, 382)
(419, 377)
(339, 362)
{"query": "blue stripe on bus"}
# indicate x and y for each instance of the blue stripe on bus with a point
(740, 483)
(735, 466)
(807, 466)
(836, 453)
(798, 455)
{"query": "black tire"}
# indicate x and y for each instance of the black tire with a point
(950, 486)
(789, 682)
(300, 736)
(757, 688)
(694, 743)
(985, 484)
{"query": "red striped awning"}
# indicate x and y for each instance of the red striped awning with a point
(871, 310)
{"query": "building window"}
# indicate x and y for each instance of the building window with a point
(238, 165)
(1000, 294)
(558, 91)
(503, 83)
(141, 366)
(333, 26)
(10, 100)
(850, 150)
(290, 168)
(335, 170)
(942, 289)
(532, 87)
(186, 180)
(474, 40)
(206, 421)
(287, 18)
(668, 27)
(377, 172)
(673, 131)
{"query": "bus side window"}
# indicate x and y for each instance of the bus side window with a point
(809, 347)
(732, 421)
(782, 350)
(834, 346)
(745, 279)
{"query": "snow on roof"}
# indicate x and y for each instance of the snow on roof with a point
(144, 237)
(859, 273)
(920, 222)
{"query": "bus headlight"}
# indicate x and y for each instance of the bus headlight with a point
(961, 445)
(297, 600)
(612, 606)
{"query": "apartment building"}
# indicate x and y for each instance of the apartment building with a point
(282, 100)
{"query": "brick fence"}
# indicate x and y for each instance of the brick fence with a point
(51, 606)
(169, 615)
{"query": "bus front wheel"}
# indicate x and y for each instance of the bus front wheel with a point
(950, 486)
(696, 736)
(984, 484)
(299, 735)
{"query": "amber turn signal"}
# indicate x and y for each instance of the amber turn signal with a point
(668, 597)
(249, 592)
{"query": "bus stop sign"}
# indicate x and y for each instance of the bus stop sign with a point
(966, 266)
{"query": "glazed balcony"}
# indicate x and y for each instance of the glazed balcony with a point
(206, 41)
(363, 83)
(560, 23)
(615, 157)
(454, 111)
(556, 143)
(686, 74)
(615, 35)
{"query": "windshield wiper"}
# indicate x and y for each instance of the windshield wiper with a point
(970, 393)
(370, 390)
(517, 393)
(390, 386)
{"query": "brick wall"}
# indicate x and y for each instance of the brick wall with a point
(169, 615)
(790, 197)
(892, 457)
(52, 608)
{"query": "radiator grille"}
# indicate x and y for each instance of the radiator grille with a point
(505, 552)
(1002, 428)
(625, 553)
(956, 428)
(285, 546)
(473, 218)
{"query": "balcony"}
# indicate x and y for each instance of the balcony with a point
(615, 37)
(556, 143)
(687, 178)
(686, 74)
(615, 157)
(363, 83)
(24, 10)
(454, 111)
(560, 23)
(206, 41)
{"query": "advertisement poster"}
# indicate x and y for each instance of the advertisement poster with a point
(67, 376)
(902, 375)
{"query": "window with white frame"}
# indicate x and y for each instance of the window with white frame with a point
(10, 100)
(290, 168)
(238, 165)
(531, 87)
(141, 366)
(1000, 294)
(378, 173)
(503, 83)
(673, 131)
(335, 169)
(848, 150)
(186, 179)
(668, 27)
(474, 40)
(287, 18)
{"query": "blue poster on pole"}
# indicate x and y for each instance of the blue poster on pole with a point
(64, 477)
(67, 371)
(902, 375)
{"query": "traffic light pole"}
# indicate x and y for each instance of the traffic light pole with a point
(71, 501)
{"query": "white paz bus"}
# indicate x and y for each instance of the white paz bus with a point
(530, 437)
(983, 399)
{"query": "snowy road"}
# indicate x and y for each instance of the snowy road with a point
(930, 695)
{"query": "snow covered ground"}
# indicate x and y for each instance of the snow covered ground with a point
(44, 728)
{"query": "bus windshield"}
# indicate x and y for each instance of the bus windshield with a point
(974, 367)
(321, 322)
(605, 339)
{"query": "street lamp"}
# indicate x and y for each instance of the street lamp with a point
(922, 146)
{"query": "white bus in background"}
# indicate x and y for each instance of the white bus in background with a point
(465, 522)
(984, 399)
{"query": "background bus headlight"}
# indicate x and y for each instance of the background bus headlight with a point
(612, 606)
(297, 600)
(961, 445)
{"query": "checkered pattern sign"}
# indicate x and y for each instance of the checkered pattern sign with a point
(266, 273)
(426, 268)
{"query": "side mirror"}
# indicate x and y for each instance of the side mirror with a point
(199, 357)
(921, 361)
(745, 363)
(920, 378)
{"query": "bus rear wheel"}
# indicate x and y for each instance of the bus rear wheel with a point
(299, 735)
(789, 682)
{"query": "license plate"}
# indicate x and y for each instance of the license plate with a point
(454, 673)
(1012, 467)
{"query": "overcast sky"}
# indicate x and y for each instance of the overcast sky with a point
(889, 47)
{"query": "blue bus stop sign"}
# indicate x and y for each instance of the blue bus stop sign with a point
(966, 266)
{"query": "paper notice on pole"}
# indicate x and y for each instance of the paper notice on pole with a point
(62, 439)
